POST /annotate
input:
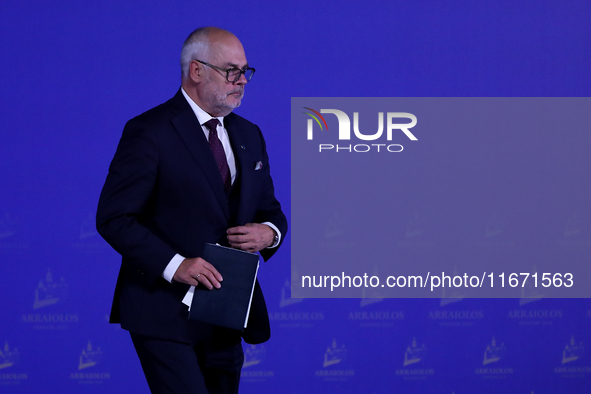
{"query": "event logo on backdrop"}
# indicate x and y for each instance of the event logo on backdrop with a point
(455, 317)
(10, 242)
(465, 209)
(492, 367)
(48, 307)
(374, 313)
(413, 353)
(413, 363)
(8, 356)
(573, 364)
(494, 352)
(254, 369)
(293, 314)
(10, 375)
(367, 298)
(572, 351)
(50, 292)
(286, 300)
(253, 355)
(528, 316)
(87, 239)
(89, 359)
(334, 367)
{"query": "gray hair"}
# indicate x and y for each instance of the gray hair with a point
(195, 47)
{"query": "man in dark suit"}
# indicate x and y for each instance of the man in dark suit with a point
(187, 173)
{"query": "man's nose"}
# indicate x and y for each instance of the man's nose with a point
(242, 80)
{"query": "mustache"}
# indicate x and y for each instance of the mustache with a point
(239, 90)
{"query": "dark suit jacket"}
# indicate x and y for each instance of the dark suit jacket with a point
(164, 195)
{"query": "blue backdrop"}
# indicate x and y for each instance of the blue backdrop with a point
(72, 73)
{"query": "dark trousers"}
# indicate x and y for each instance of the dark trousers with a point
(208, 367)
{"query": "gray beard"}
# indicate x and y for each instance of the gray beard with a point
(224, 107)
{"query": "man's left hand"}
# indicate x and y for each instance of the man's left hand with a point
(252, 237)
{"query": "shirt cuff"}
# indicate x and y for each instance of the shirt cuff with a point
(275, 244)
(172, 266)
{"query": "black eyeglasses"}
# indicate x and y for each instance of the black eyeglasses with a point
(233, 74)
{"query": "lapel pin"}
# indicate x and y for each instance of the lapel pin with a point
(242, 146)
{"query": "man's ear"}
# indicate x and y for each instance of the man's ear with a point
(195, 71)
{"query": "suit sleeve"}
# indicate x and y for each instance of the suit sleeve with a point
(127, 195)
(269, 207)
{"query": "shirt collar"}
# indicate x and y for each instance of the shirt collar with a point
(201, 115)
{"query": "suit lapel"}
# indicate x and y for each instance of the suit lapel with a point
(190, 131)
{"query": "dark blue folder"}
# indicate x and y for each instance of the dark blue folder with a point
(229, 305)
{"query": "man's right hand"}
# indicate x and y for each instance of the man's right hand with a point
(197, 271)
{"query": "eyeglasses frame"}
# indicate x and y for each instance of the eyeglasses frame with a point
(242, 70)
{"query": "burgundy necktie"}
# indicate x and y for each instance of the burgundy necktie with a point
(218, 152)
